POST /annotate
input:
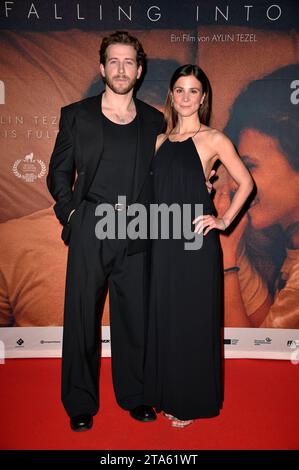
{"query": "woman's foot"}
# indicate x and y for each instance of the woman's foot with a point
(178, 423)
(168, 416)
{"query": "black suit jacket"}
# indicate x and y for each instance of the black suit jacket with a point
(78, 150)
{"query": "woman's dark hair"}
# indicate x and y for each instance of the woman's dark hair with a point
(204, 111)
(269, 105)
(122, 37)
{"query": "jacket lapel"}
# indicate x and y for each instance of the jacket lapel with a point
(146, 139)
(90, 129)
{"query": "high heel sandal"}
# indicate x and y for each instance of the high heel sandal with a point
(178, 423)
(168, 416)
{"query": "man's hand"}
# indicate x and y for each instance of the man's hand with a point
(208, 182)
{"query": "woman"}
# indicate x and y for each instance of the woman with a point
(183, 363)
(264, 124)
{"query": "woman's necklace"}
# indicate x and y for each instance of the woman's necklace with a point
(195, 132)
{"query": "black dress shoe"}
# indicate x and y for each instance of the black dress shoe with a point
(143, 413)
(81, 422)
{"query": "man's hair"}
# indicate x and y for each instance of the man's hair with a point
(122, 37)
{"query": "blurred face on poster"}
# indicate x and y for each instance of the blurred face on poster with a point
(277, 183)
(264, 124)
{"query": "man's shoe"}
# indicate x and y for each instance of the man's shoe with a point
(81, 422)
(143, 413)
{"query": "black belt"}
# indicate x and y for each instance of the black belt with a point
(116, 205)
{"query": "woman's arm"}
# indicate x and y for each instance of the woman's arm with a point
(226, 153)
(238, 171)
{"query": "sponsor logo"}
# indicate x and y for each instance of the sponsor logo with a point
(43, 341)
(29, 169)
(293, 343)
(233, 342)
(259, 342)
(20, 342)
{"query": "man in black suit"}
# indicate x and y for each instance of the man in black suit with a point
(103, 150)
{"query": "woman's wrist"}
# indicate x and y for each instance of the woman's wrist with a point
(225, 222)
(230, 260)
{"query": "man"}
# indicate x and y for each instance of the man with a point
(108, 141)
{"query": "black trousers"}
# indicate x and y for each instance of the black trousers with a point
(93, 266)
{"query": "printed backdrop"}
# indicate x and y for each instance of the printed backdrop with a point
(49, 58)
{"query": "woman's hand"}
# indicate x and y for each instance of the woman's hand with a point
(209, 221)
(205, 223)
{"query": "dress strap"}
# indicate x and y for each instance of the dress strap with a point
(196, 131)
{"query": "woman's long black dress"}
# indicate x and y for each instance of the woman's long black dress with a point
(183, 359)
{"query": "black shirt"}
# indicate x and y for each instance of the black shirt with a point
(115, 173)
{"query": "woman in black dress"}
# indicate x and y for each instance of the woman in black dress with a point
(183, 361)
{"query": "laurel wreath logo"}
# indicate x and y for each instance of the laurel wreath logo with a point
(29, 177)
(15, 168)
(43, 169)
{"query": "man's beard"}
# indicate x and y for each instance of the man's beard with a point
(120, 89)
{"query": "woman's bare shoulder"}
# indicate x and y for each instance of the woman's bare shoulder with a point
(207, 130)
(212, 134)
(160, 139)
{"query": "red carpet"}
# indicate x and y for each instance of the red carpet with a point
(261, 411)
